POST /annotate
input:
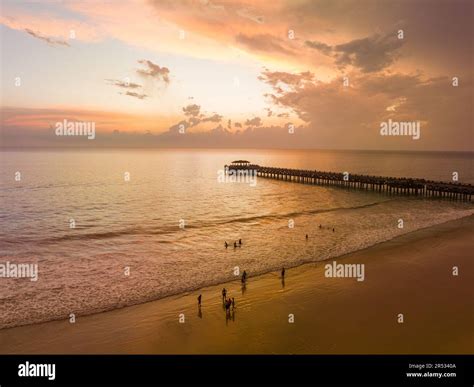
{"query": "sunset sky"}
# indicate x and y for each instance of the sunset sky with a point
(238, 73)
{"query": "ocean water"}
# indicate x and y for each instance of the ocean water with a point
(133, 227)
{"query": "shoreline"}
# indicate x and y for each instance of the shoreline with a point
(306, 289)
(256, 275)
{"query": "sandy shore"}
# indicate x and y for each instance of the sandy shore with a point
(411, 274)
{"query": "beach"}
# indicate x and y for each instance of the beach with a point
(309, 313)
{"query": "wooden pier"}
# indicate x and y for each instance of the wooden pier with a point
(382, 184)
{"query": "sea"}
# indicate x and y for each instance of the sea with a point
(118, 227)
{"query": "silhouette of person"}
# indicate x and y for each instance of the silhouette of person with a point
(233, 303)
(240, 241)
(199, 300)
(306, 236)
(226, 244)
(224, 292)
(332, 230)
(283, 273)
(235, 245)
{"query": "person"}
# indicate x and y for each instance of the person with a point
(306, 236)
(244, 276)
(333, 230)
(233, 303)
(320, 226)
(240, 241)
(283, 273)
(224, 293)
(227, 306)
(226, 244)
(235, 245)
(199, 300)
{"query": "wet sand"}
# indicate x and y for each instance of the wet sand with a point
(411, 274)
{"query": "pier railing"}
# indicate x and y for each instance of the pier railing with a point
(391, 185)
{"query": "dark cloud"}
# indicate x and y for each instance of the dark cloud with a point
(50, 41)
(349, 117)
(323, 47)
(154, 71)
(370, 54)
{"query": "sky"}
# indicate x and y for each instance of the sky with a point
(254, 74)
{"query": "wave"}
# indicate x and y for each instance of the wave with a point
(169, 229)
(185, 288)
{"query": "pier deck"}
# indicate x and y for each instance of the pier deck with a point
(383, 184)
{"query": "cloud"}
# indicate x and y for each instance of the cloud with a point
(350, 117)
(370, 54)
(123, 84)
(50, 41)
(323, 47)
(214, 118)
(192, 110)
(263, 43)
(289, 79)
(152, 70)
(254, 122)
(136, 95)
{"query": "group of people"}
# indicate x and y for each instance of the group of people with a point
(239, 244)
(228, 302)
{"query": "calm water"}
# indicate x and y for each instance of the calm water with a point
(135, 223)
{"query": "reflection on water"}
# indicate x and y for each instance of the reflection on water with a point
(167, 224)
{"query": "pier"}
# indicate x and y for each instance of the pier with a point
(382, 184)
